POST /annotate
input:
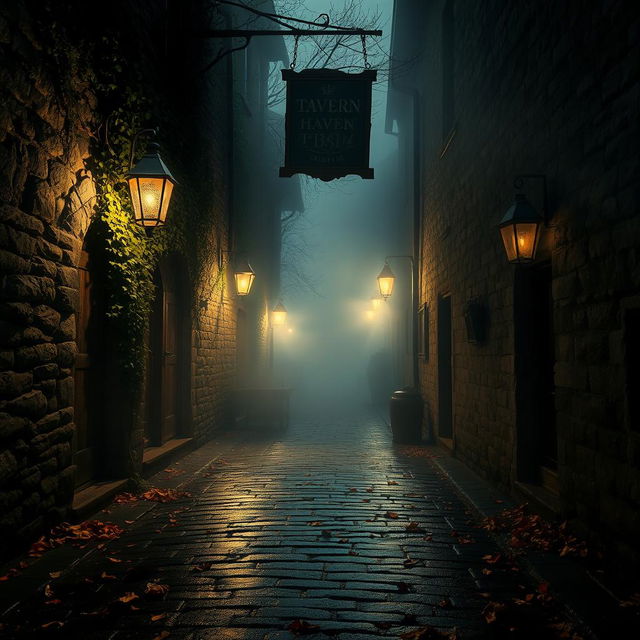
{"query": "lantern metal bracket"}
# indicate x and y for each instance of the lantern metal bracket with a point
(153, 132)
(518, 183)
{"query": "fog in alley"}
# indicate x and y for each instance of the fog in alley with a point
(335, 347)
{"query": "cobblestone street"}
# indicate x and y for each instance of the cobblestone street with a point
(328, 530)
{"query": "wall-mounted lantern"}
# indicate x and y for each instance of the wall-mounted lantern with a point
(151, 185)
(244, 276)
(521, 225)
(279, 315)
(386, 280)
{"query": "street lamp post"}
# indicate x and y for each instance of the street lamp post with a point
(386, 281)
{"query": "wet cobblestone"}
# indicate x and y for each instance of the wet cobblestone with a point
(313, 524)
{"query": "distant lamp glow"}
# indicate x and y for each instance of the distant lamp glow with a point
(386, 280)
(151, 185)
(244, 276)
(520, 230)
(376, 301)
(370, 315)
(279, 315)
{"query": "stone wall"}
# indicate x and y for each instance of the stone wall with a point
(552, 89)
(48, 118)
(47, 199)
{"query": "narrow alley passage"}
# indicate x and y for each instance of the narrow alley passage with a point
(326, 530)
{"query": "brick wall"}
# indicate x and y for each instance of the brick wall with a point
(549, 88)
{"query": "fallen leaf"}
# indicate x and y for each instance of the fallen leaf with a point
(487, 572)
(369, 490)
(130, 596)
(343, 540)
(155, 590)
(53, 623)
(107, 576)
(204, 566)
(158, 616)
(392, 482)
(302, 627)
(314, 523)
(492, 610)
(414, 527)
(409, 563)
(391, 514)
(55, 574)
(162, 635)
(492, 559)
(353, 490)
(114, 560)
(353, 553)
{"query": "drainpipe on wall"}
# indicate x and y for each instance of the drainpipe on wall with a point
(417, 218)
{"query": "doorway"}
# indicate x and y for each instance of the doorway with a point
(168, 372)
(445, 369)
(87, 373)
(537, 448)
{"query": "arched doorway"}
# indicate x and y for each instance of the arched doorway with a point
(168, 374)
(88, 368)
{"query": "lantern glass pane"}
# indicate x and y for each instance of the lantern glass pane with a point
(279, 318)
(166, 197)
(525, 236)
(244, 280)
(385, 284)
(509, 241)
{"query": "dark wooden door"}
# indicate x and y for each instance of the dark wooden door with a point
(169, 395)
(445, 372)
(535, 360)
(84, 435)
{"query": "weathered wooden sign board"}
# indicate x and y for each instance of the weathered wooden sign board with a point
(327, 123)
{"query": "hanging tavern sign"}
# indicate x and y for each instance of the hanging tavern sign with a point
(328, 123)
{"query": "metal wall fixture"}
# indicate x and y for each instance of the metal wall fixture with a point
(521, 225)
(150, 184)
(243, 273)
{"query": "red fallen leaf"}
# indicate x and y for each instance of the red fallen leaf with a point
(174, 471)
(23, 564)
(204, 566)
(12, 573)
(632, 601)
(445, 603)
(353, 490)
(391, 514)
(353, 553)
(130, 596)
(302, 627)
(403, 587)
(164, 495)
(414, 527)
(498, 501)
(114, 560)
(48, 591)
(487, 572)
(55, 601)
(155, 590)
(125, 498)
(392, 482)
(410, 563)
(105, 576)
(492, 559)
(55, 574)
(428, 538)
(53, 623)
(314, 523)
(369, 490)
(159, 616)
(462, 540)
(366, 500)
(492, 610)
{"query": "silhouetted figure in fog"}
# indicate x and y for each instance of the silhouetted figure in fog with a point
(378, 372)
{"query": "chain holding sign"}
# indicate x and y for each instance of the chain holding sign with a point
(327, 123)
